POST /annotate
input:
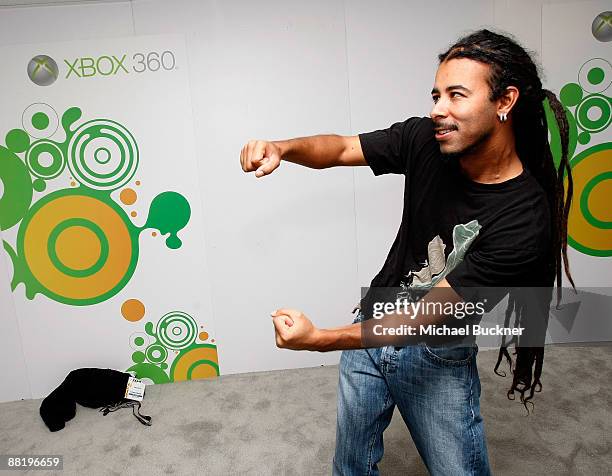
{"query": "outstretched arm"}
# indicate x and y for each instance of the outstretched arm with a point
(317, 152)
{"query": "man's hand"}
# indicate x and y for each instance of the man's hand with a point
(260, 156)
(294, 330)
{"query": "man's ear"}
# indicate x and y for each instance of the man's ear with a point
(507, 101)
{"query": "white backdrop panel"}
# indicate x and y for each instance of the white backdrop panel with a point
(268, 70)
(156, 108)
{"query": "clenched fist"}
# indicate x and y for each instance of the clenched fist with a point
(260, 156)
(294, 330)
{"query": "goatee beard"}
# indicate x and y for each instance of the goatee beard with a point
(474, 146)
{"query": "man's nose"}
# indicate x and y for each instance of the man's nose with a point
(439, 109)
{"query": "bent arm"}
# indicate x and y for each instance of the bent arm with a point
(350, 336)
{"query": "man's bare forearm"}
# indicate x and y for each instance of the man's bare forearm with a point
(352, 335)
(316, 152)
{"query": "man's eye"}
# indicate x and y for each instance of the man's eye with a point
(434, 99)
(455, 92)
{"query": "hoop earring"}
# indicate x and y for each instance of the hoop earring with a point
(503, 117)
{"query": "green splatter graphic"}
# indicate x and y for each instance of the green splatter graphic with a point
(17, 184)
(69, 117)
(169, 212)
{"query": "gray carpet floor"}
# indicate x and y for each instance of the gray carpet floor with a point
(283, 422)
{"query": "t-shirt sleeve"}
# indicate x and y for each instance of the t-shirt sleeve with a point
(489, 274)
(390, 151)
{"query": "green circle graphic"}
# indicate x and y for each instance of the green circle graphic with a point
(78, 273)
(40, 121)
(17, 140)
(570, 94)
(45, 172)
(596, 75)
(138, 357)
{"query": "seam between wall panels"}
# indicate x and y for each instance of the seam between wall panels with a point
(350, 118)
(22, 354)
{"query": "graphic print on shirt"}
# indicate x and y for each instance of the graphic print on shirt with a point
(437, 266)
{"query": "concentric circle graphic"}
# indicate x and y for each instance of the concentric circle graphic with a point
(156, 354)
(198, 361)
(91, 240)
(102, 154)
(177, 330)
(77, 247)
(599, 104)
(40, 120)
(595, 76)
(45, 159)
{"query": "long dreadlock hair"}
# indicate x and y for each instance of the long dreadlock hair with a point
(511, 65)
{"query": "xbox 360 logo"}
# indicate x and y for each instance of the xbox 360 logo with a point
(43, 70)
(602, 26)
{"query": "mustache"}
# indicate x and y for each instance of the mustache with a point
(442, 125)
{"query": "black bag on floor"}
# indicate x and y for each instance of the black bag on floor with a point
(91, 388)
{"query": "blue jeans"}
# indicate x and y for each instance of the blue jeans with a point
(437, 391)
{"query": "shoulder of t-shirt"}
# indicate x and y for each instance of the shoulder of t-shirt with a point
(398, 143)
(421, 130)
(412, 127)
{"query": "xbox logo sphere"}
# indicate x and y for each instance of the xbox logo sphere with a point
(43, 70)
(602, 26)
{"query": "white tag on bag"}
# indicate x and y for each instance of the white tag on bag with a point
(135, 389)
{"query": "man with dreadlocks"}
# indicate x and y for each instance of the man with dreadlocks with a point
(484, 206)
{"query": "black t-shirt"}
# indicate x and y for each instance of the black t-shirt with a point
(472, 234)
